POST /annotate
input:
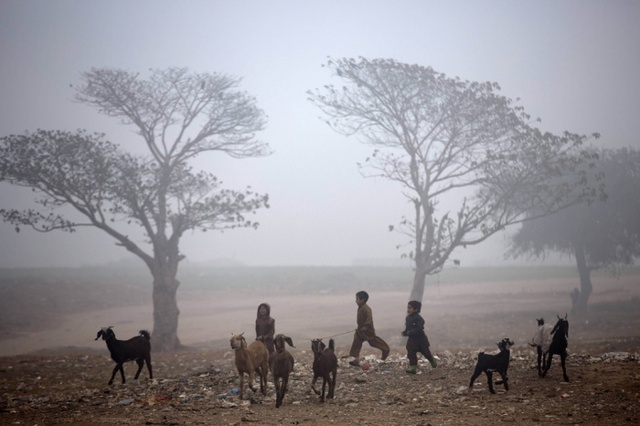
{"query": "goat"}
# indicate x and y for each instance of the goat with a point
(281, 364)
(541, 341)
(490, 363)
(250, 360)
(325, 365)
(136, 349)
(558, 346)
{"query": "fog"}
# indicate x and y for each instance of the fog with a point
(574, 64)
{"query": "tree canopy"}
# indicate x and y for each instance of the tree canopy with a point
(109, 186)
(444, 139)
(179, 114)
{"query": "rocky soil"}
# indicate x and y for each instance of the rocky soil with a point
(200, 388)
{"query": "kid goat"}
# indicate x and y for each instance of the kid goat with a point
(325, 365)
(490, 363)
(250, 360)
(136, 349)
(558, 346)
(281, 364)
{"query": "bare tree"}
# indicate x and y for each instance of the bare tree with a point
(179, 115)
(446, 140)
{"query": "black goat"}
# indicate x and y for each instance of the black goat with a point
(136, 349)
(281, 364)
(558, 346)
(325, 365)
(541, 340)
(490, 363)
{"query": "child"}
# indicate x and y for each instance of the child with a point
(418, 341)
(365, 331)
(265, 326)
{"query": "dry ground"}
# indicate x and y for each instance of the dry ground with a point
(58, 375)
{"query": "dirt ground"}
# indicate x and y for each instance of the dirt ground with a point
(58, 374)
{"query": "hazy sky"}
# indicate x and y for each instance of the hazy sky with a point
(574, 64)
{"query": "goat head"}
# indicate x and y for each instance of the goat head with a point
(505, 344)
(280, 340)
(237, 341)
(317, 346)
(105, 332)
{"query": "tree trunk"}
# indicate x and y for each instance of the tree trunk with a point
(417, 291)
(165, 314)
(585, 280)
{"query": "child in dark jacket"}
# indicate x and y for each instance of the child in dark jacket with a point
(265, 326)
(417, 341)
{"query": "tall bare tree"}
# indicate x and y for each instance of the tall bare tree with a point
(178, 115)
(446, 141)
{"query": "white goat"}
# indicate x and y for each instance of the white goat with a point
(541, 340)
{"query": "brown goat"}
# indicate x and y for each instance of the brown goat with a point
(250, 360)
(325, 365)
(281, 364)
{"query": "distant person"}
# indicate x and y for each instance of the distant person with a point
(417, 341)
(265, 326)
(365, 331)
(575, 298)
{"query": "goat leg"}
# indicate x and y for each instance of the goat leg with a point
(241, 393)
(140, 363)
(252, 380)
(117, 368)
(324, 387)
(113, 374)
(283, 389)
(505, 380)
(279, 392)
(313, 385)
(263, 380)
(266, 380)
(540, 360)
(148, 362)
(563, 358)
(122, 371)
(547, 364)
(490, 381)
(332, 385)
(475, 375)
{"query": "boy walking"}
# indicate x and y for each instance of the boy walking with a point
(365, 331)
(418, 341)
